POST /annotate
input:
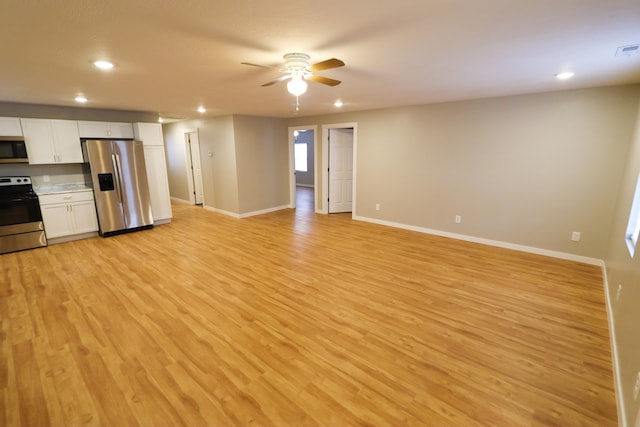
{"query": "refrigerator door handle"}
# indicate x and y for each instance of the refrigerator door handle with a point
(118, 175)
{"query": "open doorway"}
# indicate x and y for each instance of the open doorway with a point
(194, 167)
(303, 170)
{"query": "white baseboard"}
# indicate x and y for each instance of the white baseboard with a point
(264, 211)
(497, 243)
(246, 214)
(617, 378)
(177, 200)
(220, 211)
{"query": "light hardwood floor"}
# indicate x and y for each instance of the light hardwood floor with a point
(296, 319)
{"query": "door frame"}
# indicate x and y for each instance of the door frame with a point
(188, 161)
(292, 163)
(325, 165)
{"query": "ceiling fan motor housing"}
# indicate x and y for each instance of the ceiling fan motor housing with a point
(296, 61)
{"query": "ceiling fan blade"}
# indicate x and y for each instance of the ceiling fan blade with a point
(281, 79)
(258, 65)
(324, 80)
(325, 65)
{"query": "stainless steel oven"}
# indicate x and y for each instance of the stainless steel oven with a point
(21, 224)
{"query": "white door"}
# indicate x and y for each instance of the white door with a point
(196, 166)
(340, 170)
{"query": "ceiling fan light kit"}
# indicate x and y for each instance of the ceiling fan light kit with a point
(298, 70)
(297, 86)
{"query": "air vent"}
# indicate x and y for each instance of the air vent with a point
(632, 49)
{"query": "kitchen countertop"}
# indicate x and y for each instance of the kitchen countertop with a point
(60, 188)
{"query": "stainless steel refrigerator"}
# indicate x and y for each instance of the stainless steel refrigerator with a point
(119, 180)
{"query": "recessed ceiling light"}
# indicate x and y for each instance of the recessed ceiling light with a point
(202, 109)
(81, 99)
(103, 65)
(338, 104)
(564, 76)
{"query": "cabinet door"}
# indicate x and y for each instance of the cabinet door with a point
(10, 126)
(105, 130)
(149, 133)
(154, 159)
(93, 129)
(57, 220)
(39, 141)
(66, 139)
(84, 217)
(121, 130)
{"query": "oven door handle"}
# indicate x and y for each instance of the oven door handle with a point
(118, 176)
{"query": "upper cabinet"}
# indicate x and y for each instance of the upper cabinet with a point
(148, 133)
(114, 130)
(52, 141)
(10, 126)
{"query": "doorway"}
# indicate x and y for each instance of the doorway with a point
(194, 167)
(303, 150)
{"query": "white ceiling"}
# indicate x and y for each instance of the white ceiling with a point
(173, 55)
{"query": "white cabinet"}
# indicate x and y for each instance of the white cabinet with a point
(66, 214)
(105, 130)
(155, 162)
(10, 126)
(148, 133)
(52, 141)
(154, 157)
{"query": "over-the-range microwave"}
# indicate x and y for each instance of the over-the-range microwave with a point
(13, 150)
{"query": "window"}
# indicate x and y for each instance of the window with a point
(301, 157)
(633, 227)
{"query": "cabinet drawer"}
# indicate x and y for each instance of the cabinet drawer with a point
(78, 196)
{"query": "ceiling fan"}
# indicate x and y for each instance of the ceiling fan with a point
(297, 69)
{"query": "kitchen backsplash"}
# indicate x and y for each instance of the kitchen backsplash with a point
(58, 174)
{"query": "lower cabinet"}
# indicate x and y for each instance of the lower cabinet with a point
(68, 214)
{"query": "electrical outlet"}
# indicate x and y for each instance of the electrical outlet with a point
(575, 236)
(377, 206)
(46, 178)
(458, 219)
(636, 388)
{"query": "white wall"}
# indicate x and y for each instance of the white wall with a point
(623, 272)
(218, 158)
(262, 156)
(244, 162)
(526, 170)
